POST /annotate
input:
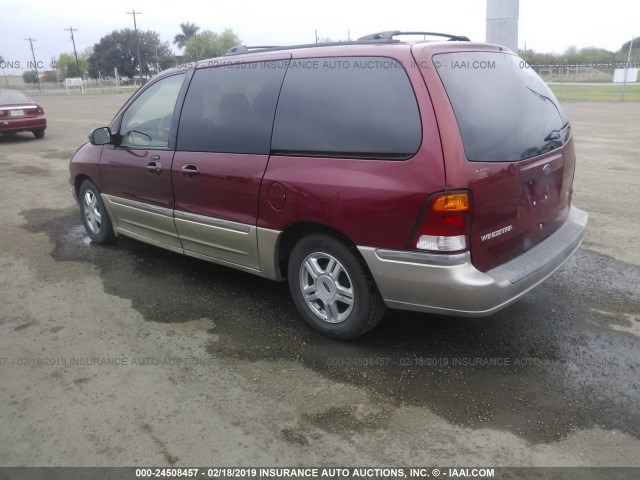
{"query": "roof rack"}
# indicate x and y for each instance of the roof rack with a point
(242, 49)
(388, 36)
(245, 49)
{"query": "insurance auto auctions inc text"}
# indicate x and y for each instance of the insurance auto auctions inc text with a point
(370, 472)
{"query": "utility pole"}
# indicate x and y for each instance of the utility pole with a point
(135, 27)
(35, 64)
(624, 80)
(73, 40)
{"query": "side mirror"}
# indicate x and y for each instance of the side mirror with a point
(100, 136)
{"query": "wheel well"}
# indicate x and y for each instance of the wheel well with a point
(78, 181)
(293, 233)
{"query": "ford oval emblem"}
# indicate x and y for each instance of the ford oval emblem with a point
(546, 169)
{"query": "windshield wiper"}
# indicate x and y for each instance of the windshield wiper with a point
(555, 134)
(547, 99)
(543, 97)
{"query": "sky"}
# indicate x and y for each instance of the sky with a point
(545, 25)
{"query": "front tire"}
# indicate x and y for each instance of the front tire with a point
(332, 289)
(95, 218)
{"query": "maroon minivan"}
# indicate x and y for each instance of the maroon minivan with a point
(433, 176)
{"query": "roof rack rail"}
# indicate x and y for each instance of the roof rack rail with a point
(388, 36)
(245, 49)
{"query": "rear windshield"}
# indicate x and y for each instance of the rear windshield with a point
(504, 110)
(12, 96)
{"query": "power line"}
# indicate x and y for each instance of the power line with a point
(41, 47)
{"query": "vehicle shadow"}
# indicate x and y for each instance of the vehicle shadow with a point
(17, 138)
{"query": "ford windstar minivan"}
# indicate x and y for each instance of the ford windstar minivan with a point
(433, 176)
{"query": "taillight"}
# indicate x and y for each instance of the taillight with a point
(445, 224)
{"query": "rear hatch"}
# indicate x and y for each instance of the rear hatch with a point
(19, 111)
(518, 154)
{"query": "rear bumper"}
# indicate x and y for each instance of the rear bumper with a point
(22, 124)
(451, 285)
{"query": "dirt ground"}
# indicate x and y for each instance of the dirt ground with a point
(131, 355)
(607, 181)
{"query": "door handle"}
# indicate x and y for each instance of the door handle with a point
(190, 171)
(154, 168)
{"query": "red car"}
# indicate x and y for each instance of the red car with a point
(433, 176)
(18, 113)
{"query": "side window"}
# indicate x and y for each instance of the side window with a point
(231, 108)
(147, 121)
(355, 107)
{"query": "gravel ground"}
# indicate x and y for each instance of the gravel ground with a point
(131, 355)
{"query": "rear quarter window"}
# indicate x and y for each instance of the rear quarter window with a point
(354, 107)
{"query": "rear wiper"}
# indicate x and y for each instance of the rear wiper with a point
(555, 134)
(543, 97)
(547, 99)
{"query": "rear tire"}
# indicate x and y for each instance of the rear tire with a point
(95, 218)
(332, 289)
(38, 133)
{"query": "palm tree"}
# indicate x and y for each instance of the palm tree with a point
(188, 31)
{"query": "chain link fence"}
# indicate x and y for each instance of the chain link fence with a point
(88, 86)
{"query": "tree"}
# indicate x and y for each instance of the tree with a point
(118, 50)
(571, 51)
(571, 56)
(188, 31)
(83, 57)
(30, 76)
(635, 50)
(589, 55)
(209, 44)
(66, 66)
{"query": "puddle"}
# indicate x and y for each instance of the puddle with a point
(163, 286)
(623, 322)
(31, 170)
(543, 368)
(59, 154)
